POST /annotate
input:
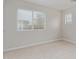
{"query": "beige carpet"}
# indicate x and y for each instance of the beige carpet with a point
(53, 50)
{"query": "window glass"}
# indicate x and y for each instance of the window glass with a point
(68, 18)
(24, 19)
(39, 20)
(28, 19)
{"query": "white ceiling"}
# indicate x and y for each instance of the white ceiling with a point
(57, 4)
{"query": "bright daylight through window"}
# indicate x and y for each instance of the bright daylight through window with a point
(68, 18)
(28, 20)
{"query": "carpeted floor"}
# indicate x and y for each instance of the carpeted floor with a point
(53, 50)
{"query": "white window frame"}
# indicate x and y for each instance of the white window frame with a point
(68, 18)
(32, 22)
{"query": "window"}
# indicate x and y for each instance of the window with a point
(68, 18)
(28, 19)
(39, 20)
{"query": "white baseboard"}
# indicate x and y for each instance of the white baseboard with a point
(30, 45)
(39, 43)
(69, 40)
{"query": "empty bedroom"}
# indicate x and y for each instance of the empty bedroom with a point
(39, 29)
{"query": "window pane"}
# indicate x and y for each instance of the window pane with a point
(39, 20)
(24, 19)
(68, 18)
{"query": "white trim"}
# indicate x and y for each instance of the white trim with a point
(69, 40)
(30, 45)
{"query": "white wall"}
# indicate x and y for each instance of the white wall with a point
(13, 38)
(69, 30)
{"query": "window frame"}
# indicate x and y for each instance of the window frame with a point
(45, 21)
(68, 15)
